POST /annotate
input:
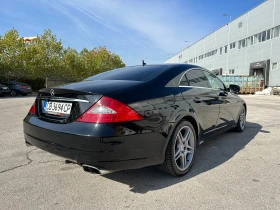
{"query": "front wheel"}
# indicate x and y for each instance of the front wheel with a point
(241, 120)
(13, 93)
(180, 151)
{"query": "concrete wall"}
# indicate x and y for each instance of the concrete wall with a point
(263, 17)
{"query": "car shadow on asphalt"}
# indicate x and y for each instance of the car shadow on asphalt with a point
(212, 153)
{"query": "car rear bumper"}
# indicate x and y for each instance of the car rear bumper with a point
(6, 91)
(26, 91)
(109, 152)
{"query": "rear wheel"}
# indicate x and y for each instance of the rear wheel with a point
(13, 93)
(241, 121)
(180, 150)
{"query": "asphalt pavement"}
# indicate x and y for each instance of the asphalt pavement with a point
(231, 171)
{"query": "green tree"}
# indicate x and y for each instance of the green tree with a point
(45, 57)
(11, 55)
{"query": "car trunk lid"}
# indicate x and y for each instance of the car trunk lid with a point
(63, 105)
(74, 98)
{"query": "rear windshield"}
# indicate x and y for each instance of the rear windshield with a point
(14, 83)
(134, 73)
(20, 83)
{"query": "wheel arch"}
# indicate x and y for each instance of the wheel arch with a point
(191, 117)
(244, 104)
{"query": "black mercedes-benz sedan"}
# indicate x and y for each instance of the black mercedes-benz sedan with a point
(18, 88)
(134, 117)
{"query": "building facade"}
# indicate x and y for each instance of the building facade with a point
(248, 45)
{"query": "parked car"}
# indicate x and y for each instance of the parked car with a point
(134, 117)
(4, 90)
(18, 88)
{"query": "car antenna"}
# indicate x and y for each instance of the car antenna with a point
(143, 63)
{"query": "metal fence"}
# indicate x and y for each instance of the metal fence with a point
(248, 84)
(54, 83)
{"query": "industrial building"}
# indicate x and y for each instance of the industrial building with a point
(248, 45)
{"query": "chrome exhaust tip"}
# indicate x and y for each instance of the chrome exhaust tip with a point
(94, 169)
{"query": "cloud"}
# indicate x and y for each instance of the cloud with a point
(59, 7)
(148, 24)
(92, 15)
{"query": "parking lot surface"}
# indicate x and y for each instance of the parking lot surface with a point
(231, 171)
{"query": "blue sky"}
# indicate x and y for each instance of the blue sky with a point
(152, 30)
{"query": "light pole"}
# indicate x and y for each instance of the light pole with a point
(227, 15)
(228, 36)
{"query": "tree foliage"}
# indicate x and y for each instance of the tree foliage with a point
(46, 57)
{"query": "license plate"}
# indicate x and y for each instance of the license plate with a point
(4, 88)
(57, 108)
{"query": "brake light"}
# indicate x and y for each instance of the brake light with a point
(22, 87)
(32, 109)
(108, 110)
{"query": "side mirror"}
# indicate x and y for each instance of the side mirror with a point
(234, 88)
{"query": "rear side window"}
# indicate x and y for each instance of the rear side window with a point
(197, 78)
(134, 73)
(184, 81)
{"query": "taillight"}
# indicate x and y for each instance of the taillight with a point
(108, 110)
(22, 87)
(32, 109)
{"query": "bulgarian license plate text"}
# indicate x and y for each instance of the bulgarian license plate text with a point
(56, 108)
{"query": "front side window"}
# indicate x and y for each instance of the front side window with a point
(197, 78)
(214, 81)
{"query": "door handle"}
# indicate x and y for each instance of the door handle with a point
(197, 100)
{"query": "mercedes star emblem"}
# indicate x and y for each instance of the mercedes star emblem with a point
(52, 92)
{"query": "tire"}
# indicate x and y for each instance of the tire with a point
(240, 127)
(185, 147)
(13, 93)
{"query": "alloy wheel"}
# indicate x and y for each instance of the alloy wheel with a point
(13, 93)
(242, 118)
(184, 148)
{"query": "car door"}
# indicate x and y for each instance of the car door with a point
(229, 106)
(197, 92)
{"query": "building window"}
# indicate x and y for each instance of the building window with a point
(231, 71)
(226, 49)
(276, 32)
(275, 66)
(263, 36)
(221, 51)
(239, 44)
(232, 45)
(249, 41)
(240, 25)
(243, 43)
(268, 34)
